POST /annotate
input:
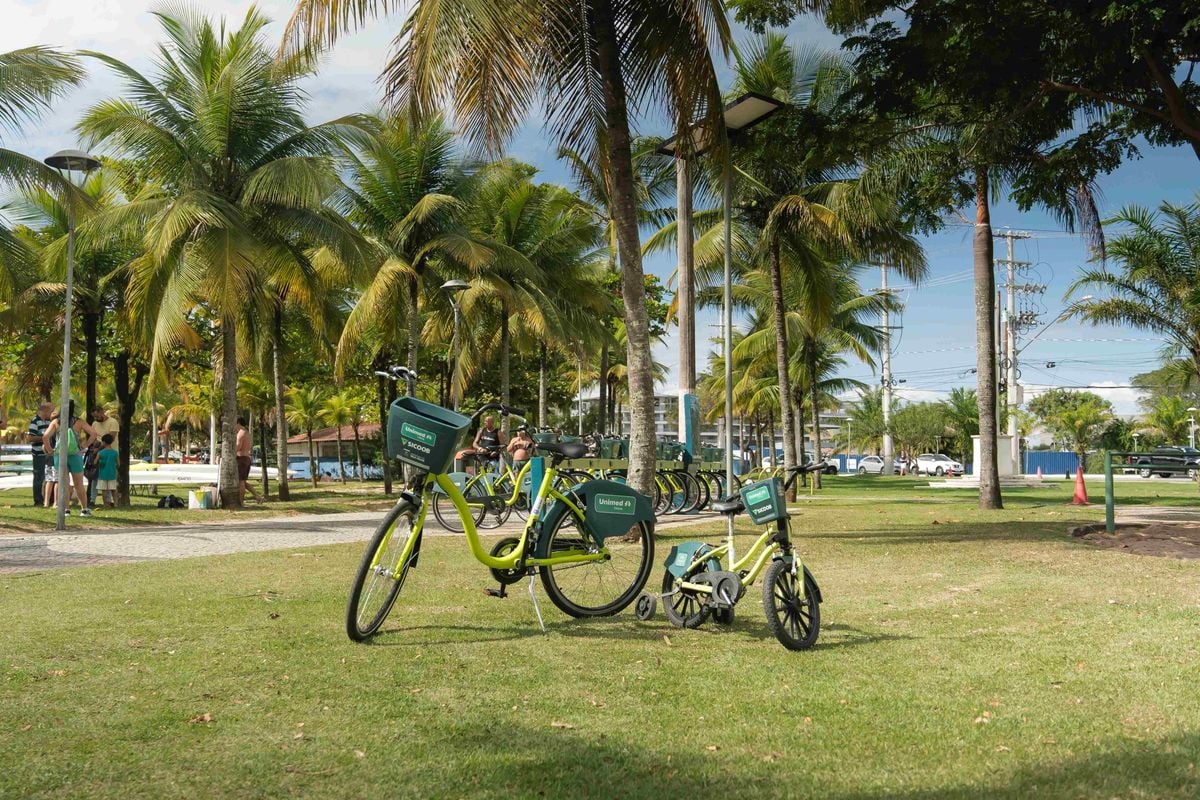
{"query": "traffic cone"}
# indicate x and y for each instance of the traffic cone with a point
(1039, 473)
(1081, 498)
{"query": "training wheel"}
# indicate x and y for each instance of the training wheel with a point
(645, 608)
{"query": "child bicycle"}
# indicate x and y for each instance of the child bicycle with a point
(592, 546)
(696, 587)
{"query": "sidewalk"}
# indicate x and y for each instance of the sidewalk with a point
(41, 551)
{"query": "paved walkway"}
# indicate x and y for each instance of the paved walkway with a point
(41, 551)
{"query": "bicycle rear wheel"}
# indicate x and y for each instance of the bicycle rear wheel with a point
(380, 576)
(447, 514)
(597, 588)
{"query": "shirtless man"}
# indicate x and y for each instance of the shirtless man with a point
(244, 448)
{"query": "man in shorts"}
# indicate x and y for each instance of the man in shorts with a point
(244, 461)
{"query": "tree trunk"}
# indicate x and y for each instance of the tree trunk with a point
(414, 322)
(281, 425)
(624, 213)
(505, 346)
(91, 326)
(381, 395)
(312, 459)
(262, 446)
(229, 383)
(985, 347)
(779, 319)
(815, 395)
(341, 464)
(127, 397)
(771, 438)
(358, 454)
(602, 402)
(542, 385)
(685, 273)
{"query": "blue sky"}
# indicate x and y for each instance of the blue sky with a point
(935, 347)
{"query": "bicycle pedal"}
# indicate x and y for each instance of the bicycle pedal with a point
(501, 592)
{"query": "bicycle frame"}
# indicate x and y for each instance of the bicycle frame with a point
(517, 558)
(518, 478)
(752, 562)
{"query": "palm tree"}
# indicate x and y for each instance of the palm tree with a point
(589, 62)
(1155, 287)
(1169, 417)
(306, 410)
(239, 182)
(257, 394)
(962, 418)
(30, 80)
(338, 411)
(865, 420)
(1080, 424)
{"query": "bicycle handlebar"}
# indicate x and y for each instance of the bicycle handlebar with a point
(796, 471)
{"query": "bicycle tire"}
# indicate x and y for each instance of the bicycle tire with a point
(384, 541)
(586, 589)
(795, 622)
(693, 494)
(495, 517)
(447, 514)
(683, 608)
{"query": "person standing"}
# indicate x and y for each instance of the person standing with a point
(33, 437)
(106, 475)
(103, 424)
(244, 461)
(71, 473)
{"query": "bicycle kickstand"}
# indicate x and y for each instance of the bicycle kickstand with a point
(533, 597)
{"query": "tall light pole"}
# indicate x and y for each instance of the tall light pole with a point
(579, 383)
(452, 289)
(66, 162)
(889, 453)
(1192, 426)
(739, 115)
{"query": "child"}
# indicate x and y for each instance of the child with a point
(49, 484)
(107, 473)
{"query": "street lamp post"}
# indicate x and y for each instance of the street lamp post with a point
(1192, 426)
(739, 115)
(579, 383)
(67, 161)
(1136, 436)
(452, 288)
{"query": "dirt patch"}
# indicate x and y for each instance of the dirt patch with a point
(1169, 540)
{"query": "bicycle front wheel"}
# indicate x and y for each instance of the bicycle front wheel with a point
(447, 514)
(597, 588)
(381, 575)
(794, 619)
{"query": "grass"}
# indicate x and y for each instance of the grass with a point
(963, 654)
(17, 513)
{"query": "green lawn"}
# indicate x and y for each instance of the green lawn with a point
(17, 513)
(963, 654)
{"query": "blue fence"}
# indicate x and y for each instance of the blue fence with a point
(1052, 462)
(328, 468)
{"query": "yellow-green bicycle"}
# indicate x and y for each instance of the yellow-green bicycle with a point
(592, 545)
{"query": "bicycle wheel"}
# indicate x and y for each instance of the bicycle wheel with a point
(795, 620)
(597, 588)
(380, 575)
(447, 514)
(662, 495)
(498, 513)
(684, 608)
(692, 493)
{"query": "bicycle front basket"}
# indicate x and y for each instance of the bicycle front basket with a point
(423, 434)
(764, 501)
(545, 438)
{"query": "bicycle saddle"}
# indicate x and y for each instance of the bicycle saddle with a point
(565, 449)
(730, 505)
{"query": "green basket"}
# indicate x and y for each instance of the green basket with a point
(570, 439)
(764, 501)
(545, 438)
(623, 449)
(610, 448)
(423, 434)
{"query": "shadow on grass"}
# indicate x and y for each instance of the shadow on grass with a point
(544, 761)
(1035, 531)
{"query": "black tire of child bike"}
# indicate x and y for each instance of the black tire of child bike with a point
(370, 586)
(626, 571)
(447, 515)
(684, 608)
(795, 622)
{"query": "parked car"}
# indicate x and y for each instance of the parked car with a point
(938, 464)
(832, 466)
(873, 465)
(1186, 458)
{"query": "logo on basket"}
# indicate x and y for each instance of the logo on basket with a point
(410, 431)
(757, 495)
(614, 504)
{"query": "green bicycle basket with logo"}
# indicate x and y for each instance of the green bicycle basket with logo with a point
(764, 501)
(423, 434)
(610, 510)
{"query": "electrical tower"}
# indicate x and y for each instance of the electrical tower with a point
(1014, 324)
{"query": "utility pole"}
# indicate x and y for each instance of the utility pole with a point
(1013, 324)
(888, 453)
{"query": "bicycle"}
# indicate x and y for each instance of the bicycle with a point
(492, 497)
(592, 546)
(695, 587)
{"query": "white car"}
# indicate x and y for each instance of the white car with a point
(873, 465)
(938, 464)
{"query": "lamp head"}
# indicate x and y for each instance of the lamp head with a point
(453, 287)
(73, 160)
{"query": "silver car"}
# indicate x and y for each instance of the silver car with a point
(938, 464)
(873, 465)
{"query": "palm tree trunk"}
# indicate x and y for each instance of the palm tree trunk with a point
(229, 382)
(771, 437)
(281, 425)
(91, 342)
(414, 322)
(381, 395)
(602, 401)
(312, 459)
(262, 446)
(985, 347)
(779, 318)
(358, 454)
(505, 346)
(542, 385)
(624, 212)
(127, 397)
(815, 395)
(341, 464)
